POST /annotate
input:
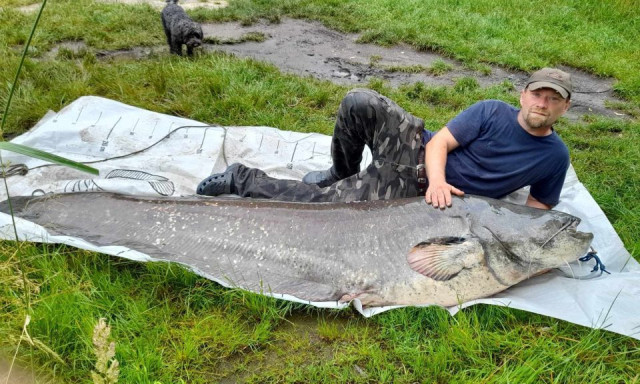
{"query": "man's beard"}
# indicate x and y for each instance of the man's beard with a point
(535, 121)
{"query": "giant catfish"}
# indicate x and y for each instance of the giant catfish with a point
(392, 252)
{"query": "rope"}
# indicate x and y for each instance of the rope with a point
(599, 265)
(15, 169)
(592, 254)
(22, 169)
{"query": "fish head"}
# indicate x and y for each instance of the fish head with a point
(520, 241)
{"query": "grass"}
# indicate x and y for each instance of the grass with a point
(600, 37)
(437, 68)
(171, 326)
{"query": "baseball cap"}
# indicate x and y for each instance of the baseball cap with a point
(551, 78)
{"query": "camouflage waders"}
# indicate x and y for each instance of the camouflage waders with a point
(365, 117)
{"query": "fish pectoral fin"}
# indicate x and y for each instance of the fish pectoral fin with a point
(444, 257)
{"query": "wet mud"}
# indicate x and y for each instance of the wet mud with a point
(308, 48)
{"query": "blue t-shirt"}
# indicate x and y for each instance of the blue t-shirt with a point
(497, 156)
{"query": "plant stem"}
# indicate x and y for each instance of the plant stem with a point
(27, 296)
(15, 80)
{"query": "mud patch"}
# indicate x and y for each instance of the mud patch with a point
(71, 48)
(137, 53)
(308, 48)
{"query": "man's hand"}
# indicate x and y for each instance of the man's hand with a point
(439, 191)
(439, 195)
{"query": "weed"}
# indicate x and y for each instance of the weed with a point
(374, 60)
(439, 67)
(107, 367)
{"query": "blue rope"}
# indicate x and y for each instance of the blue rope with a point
(598, 266)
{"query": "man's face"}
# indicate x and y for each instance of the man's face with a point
(542, 107)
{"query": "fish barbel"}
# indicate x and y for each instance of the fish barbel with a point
(386, 252)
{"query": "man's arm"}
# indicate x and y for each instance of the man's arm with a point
(439, 192)
(532, 202)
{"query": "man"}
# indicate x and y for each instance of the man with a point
(490, 149)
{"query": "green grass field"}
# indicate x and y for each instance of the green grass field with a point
(171, 326)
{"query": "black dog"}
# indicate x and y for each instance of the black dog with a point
(180, 29)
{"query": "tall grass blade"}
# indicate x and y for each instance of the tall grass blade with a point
(24, 54)
(42, 155)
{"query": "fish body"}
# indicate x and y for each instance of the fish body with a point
(387, 252)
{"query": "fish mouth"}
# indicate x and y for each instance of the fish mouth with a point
(571, 228)
(577, 234)
(584, 236)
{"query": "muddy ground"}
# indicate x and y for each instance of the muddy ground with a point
(308, 48)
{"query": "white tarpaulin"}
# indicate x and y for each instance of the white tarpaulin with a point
(144, 153)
